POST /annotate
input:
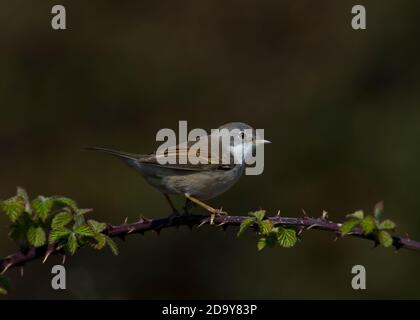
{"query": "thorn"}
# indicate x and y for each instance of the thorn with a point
(312, 226)
(143, 219)
(203, 222)
(6, 268)
(324, 215)
(63, 261)
(131, 230)
(407, 237)
(278, 213)
(47, 254)
(301, 229)
(304, 213)
(222, 224)
(21, 271)
(125, 220)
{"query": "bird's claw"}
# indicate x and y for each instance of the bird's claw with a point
(215, 213)
(173, 216)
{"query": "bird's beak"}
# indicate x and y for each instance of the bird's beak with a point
(260, 141)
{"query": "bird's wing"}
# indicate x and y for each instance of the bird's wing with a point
(174, 154)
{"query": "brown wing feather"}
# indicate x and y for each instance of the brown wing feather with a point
(152, 159)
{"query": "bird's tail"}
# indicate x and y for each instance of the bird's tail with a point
(115, 153)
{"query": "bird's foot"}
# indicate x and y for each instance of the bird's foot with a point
(173, 216)
(216, 212)
(213, 212)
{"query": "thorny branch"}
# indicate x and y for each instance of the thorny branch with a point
(143, 225)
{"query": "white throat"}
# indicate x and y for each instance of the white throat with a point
(241, 152)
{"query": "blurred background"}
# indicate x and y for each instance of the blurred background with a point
(340, 106)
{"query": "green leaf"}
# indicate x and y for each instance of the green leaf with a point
(79, 219)
(42, 207)
(258, 214)
(356, 215)
(112, 245)
(84, 230)
(286, 237)
(385, 238)
(386, 225)
(348, 225)
(378, 211)
(100, 241)
(96, 226)
(261, 243)
(265, 226)
(17, 232)
(36, 236)
(61, 219)
(4, 285)
(271, 239)
(67, 202)
(368, 224)
(83, 211)
(58, 233)
(245, 225)
(22, 193)
(13, 207)
(19, 229)
(72, 243)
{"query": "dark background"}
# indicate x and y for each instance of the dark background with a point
(340, 106)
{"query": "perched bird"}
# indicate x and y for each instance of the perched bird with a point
(197, 182)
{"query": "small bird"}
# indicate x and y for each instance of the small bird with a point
(197, 182)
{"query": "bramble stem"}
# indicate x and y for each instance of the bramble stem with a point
(143, 225)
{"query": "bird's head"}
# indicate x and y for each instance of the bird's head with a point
(244, 139)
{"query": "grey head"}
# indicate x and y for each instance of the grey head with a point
(245, 138)
(236, 125)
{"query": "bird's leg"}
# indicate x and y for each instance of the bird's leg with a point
(175, 212)
(188, 205)
(213, 211)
